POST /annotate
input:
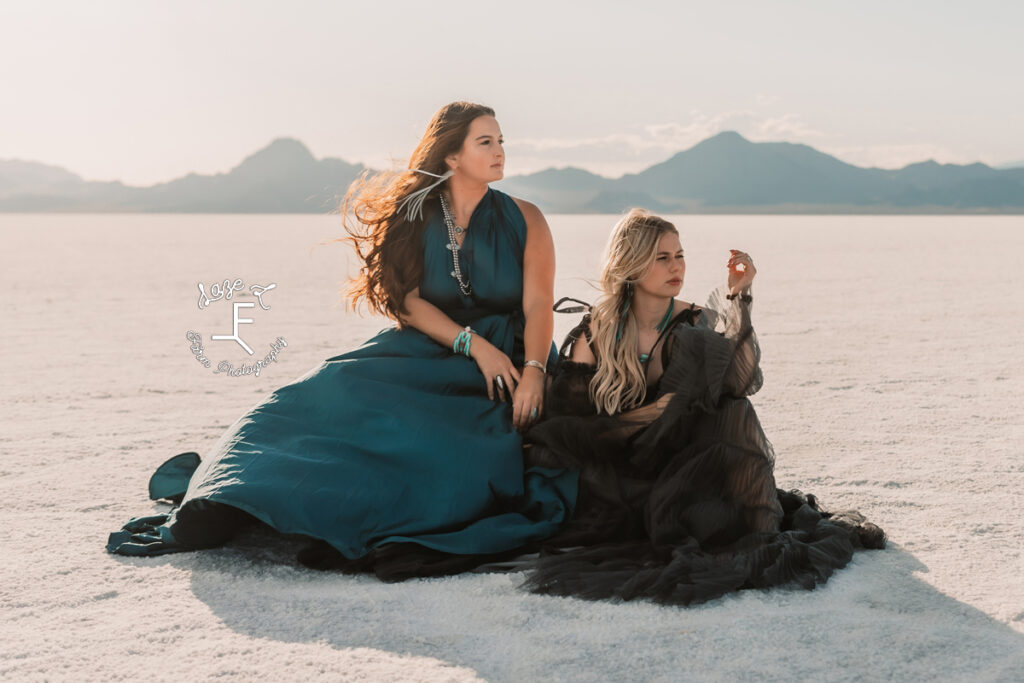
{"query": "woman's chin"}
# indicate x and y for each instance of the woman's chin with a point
(492, 177)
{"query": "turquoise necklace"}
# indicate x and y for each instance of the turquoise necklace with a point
(660, 327)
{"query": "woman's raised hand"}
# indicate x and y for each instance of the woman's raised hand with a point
(741, 271)
(494, 364)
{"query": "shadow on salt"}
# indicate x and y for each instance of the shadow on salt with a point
(875, 618)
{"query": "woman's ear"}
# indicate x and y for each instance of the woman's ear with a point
(452, 160)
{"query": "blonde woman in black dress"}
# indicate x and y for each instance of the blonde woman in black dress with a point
(677, 498)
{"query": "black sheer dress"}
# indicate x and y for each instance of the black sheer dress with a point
(678, 510)
(683, 509)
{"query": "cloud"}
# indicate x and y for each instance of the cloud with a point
(611, 155)
(679, 136)
(786, 128)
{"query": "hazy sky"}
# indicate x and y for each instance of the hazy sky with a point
(148, 91)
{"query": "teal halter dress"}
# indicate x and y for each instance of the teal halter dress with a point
(397, 440)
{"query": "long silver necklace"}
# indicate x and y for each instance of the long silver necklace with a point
(452, 245)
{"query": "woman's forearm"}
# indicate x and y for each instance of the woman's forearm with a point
(429, 319)
(540, 327)
(538, 284)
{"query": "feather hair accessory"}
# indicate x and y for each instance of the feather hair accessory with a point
(415, 199)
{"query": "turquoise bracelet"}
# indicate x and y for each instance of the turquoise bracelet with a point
(459, 342)
(462, 342)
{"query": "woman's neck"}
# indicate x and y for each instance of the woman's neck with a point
(464, 196)
(649, 310)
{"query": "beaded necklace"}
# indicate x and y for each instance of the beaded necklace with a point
(454, 247)
(660, 327)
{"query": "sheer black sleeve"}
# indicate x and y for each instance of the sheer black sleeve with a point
(718, 356)
(712, 363)
(730, 319)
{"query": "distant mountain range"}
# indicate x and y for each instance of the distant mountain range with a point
(280, 178)
(725, 173)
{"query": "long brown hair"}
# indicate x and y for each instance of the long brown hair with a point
(619, 383)
(388, 244)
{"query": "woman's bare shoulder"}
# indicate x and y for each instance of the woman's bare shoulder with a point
(684, 305)
(531, 214)
(529, 209)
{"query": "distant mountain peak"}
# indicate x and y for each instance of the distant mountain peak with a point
(727, 136)
(280, 153)
(932, 165)
(728, 143)
(31, 176)
(286, 148)
(727, 140)
(287, 144)
(565, 172)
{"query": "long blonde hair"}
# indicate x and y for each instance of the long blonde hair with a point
(619, 383)
(388, 245)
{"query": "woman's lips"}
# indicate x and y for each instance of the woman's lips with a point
(675, 282)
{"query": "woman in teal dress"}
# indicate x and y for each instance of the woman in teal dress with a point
(414, 437)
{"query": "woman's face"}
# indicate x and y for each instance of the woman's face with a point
(665, 276)
(482, 157)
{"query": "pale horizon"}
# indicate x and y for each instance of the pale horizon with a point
(393, 163)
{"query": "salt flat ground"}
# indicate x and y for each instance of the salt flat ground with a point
(893, 367)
